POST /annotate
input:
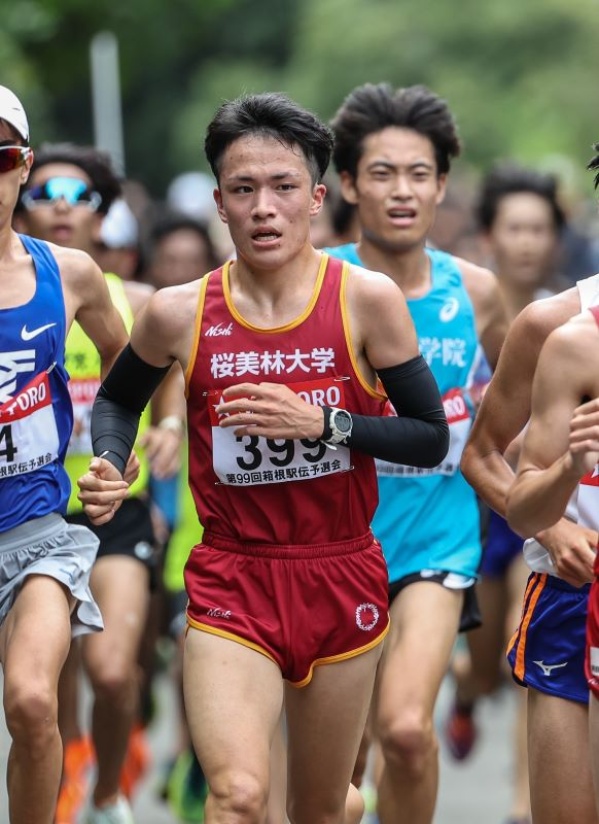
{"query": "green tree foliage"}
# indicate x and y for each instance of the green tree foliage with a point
(519, 76)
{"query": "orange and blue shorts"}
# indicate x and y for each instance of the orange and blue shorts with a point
(547, 651)
(300, 605)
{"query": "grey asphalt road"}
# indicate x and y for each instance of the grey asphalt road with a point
(474, 792)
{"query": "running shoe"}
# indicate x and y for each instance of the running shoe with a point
(137, 762)
(460, 731)
(118, 813)
(76, 774)
(187, 789)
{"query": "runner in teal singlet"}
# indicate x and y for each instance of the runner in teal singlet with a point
(393, 150)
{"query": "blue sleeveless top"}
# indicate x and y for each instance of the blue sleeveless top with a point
(428, 519)
(36, 416)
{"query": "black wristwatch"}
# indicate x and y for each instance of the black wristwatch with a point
(337, 425)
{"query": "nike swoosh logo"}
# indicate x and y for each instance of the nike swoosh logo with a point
(29, 335)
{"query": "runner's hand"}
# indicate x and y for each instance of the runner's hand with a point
(584, 437)
(572, 548)
(132, 469)
(101, 491)
(163, 449)
(271, 410)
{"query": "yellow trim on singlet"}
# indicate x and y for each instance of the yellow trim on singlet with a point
(230, 636)
(344, 656)
(348, 339)
(196, 333)
(275, 330)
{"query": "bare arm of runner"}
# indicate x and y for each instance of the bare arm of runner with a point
(503, 415)
(561, 443)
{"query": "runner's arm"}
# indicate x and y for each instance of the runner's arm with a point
(550, 468)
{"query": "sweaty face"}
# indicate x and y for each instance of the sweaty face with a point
(72, 225)
(267, 198)
(397, 188)
(523, 239)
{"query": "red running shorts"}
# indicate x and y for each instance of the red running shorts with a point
(301, 606)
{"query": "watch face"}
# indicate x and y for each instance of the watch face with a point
(343, 421)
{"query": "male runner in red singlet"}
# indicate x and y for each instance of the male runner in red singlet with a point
(282, 351)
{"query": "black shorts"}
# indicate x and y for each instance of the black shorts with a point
(129, 533)
(470, 617)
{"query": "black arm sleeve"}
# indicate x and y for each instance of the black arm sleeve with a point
(119, 403)
(419, 435)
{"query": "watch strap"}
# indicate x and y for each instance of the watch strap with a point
(327, 432)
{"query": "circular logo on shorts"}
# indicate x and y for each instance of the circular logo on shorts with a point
(143, 550)
(367, 616)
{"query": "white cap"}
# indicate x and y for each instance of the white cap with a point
(191, 193)
(13, 112)
(119, 228)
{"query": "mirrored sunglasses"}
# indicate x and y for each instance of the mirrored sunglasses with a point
(76, 193)
(13, 157)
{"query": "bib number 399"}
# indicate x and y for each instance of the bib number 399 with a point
(277, 452)
(249, 460)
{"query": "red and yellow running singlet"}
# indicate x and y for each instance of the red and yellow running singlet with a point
(277, 491)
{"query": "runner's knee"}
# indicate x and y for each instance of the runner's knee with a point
(31, 713)
(408, 741)
(115, 679)
(240, 798)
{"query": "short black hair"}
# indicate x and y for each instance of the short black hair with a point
(373, 107)
(170, 221)
(508, 178)
(270, 114)
(593, 164)
(96, 164)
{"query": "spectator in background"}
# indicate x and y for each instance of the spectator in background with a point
(116, 248)
(455, 230)
(336, 223)
(179, 249)
(192, 194)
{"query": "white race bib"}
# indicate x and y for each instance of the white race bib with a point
(250, 460)
(459, 420)
(83, 393)
(28, 432)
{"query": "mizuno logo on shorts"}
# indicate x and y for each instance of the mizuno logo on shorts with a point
(547, 669)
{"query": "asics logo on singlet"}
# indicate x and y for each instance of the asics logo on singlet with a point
(11, 363)
(219, 331)
(449, 310)
(547, 669)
